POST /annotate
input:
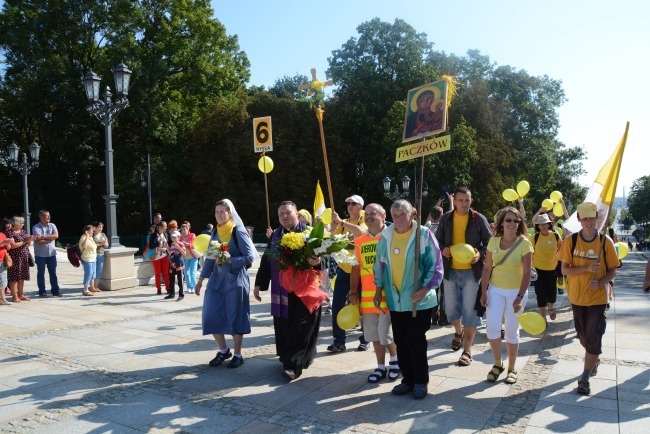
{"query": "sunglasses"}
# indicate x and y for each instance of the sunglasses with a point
(511, 221)
(351, 203)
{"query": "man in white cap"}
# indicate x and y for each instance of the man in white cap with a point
(589, 260)
(354, 226)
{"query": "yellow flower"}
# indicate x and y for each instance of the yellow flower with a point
(293, 240)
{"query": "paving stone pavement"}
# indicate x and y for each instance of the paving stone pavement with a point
(128, 361)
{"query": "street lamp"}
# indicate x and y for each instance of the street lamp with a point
(406, 181)
(106, 111)
(24, 168)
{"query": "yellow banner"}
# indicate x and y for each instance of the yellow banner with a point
(420, 149)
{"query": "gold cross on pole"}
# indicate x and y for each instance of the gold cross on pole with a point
(315, 85)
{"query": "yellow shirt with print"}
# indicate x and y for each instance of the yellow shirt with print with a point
(545, 251)
(585, 253)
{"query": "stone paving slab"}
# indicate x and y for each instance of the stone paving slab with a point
(128, 361)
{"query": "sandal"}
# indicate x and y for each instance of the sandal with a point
(393, 371)
(512, 377)
(457, 341)
(494, 373)
(552, 314)
(465, 359)
(376, 376)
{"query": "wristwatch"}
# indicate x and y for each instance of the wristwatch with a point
(520, 295)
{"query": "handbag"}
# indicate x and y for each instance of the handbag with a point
(30, 260)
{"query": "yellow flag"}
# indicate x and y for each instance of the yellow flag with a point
(319, 201)
(603, 190)
(608, 175)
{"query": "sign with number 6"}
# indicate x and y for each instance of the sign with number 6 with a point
(262, 134)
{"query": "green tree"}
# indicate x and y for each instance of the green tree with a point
(639, 199)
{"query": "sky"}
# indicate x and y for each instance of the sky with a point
(597, 49)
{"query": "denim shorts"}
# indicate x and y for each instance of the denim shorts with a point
(460, 297)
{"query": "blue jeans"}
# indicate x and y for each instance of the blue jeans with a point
(99, 268)
(190, 272)
(460, 297)
(89, 272)
(341, 291)
(50, 263)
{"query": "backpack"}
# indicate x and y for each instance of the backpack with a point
(574, 240)
(74, 255)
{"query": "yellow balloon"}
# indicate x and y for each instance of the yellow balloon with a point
(559, 231)
(531, 231)
(523, 188)
(326, 216)
(463, 253)
(201, 243)
(261, 164)
(548, 204)
(621, 249)
(532, 322)
(558, 210)
(510, 195)
(556, 196)
(348, 317)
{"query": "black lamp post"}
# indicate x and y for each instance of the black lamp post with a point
(406, 181)
(147, 183)
(106, 111)
(24, 168)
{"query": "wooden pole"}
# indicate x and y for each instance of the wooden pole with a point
(418, 219)
(319, 116)
(266, 193)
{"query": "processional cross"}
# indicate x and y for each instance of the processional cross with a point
(315, 90)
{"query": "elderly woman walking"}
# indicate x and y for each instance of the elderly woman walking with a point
(394, 274)
(226, 307)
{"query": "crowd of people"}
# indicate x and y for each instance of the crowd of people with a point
(406, 280)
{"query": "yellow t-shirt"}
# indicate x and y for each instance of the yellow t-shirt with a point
(398, 256)
(458, 237)
(545, 251)
(508, 274)
(585, 253)
(88, 254)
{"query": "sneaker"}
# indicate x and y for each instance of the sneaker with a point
(180, 297)
(236, 362)
(290, 374)
(217, 361)
(402, 389)
(58, 294)
(43, 295)
(583, 387)
(169, 296)
(336, 348)
(190, 291)
(363, 346)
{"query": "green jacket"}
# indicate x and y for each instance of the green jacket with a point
(430, 270)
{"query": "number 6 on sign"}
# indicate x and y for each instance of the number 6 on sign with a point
(262, 134)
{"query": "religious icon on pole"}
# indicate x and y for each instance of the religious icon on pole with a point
(426, 111)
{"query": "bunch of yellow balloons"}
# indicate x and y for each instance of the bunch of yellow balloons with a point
(553, 203)
(512, 195)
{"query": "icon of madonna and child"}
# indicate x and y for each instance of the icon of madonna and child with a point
(426, 111)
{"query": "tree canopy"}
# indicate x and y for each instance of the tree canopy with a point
(191, 111)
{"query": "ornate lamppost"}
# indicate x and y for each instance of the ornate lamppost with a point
(24, 168)
(396, 194)
(106, 110)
